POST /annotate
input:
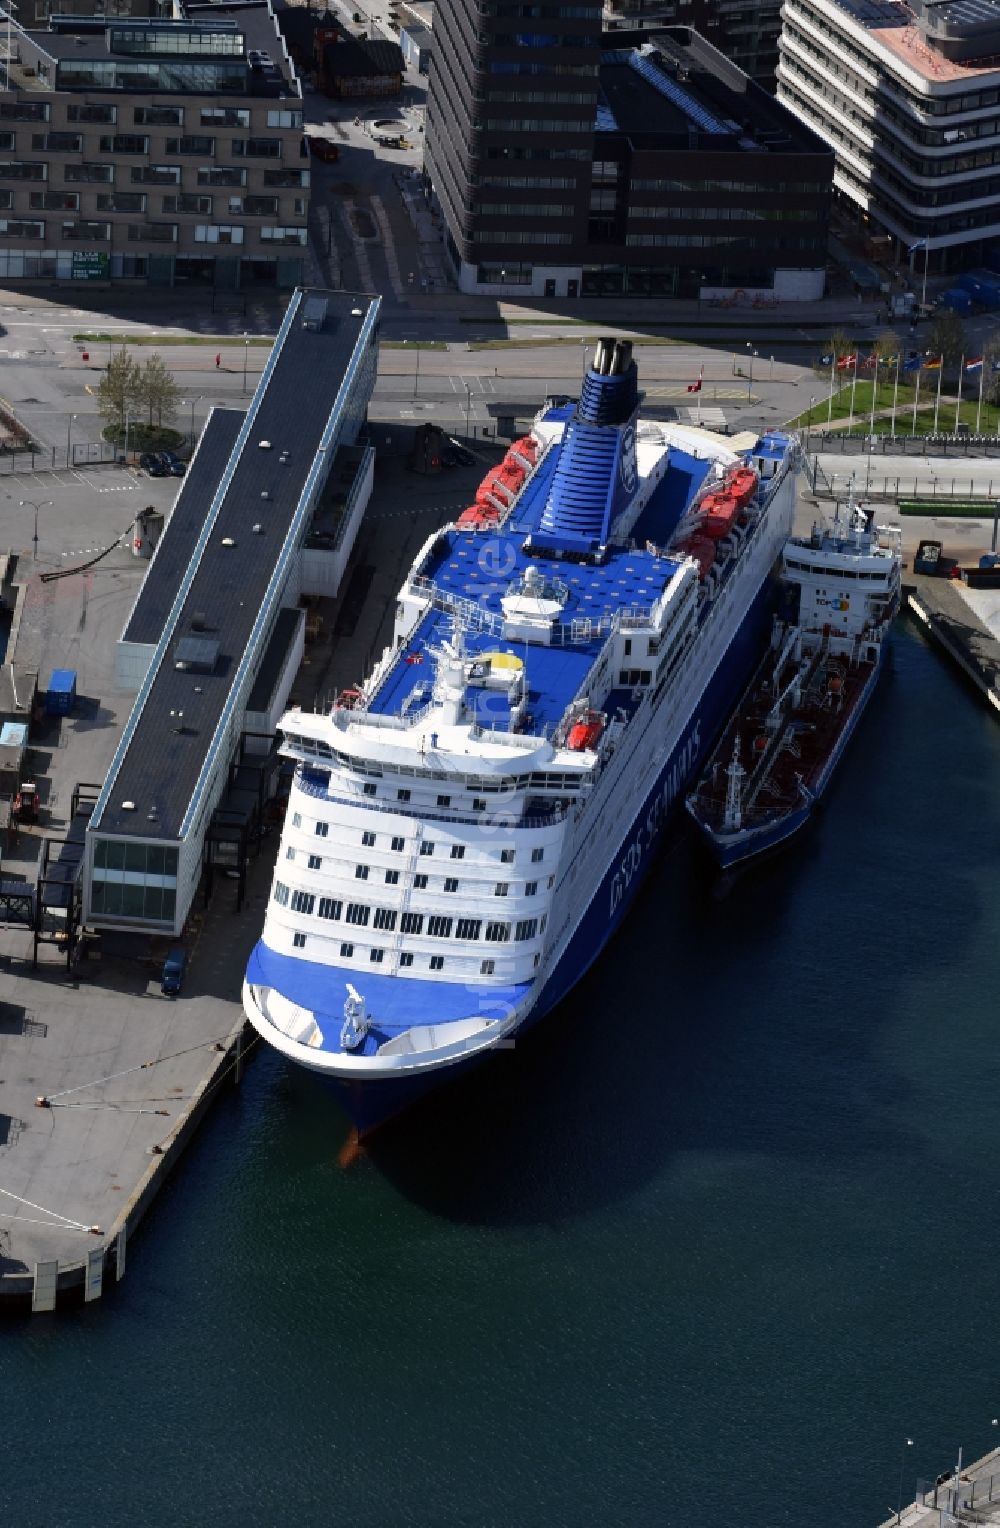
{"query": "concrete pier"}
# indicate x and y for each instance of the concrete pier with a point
(969, 1496)
(947, 609)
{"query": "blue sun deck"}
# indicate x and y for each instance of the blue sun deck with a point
(554, 674)
(395, 1003)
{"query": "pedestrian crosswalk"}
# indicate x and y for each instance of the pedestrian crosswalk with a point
(708, 416)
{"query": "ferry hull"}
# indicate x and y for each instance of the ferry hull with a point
(371, 1101)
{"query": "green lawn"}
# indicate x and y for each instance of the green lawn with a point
(119, 340)
(816, 417)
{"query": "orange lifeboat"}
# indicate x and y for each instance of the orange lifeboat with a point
(514, 469)
(586, 733)
(702, 549)
(526, 448)
(721, 510)
(742, 485)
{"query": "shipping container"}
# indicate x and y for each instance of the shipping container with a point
(60, 696)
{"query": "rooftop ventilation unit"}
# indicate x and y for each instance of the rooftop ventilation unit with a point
(228, 541)
(128, 806)
(265, 445)
(314, 313)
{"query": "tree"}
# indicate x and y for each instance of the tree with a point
(946, 336)
(158, 392)
(887, 345)
(840, 344)
(119, 390)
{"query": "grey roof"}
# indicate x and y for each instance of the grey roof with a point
(274, 657)
(173, 553)
(170, 732)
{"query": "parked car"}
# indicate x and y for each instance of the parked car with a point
(175, 467)
(174, 968)
(151, 462)
(323, 149)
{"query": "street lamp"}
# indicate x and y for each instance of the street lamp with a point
(36, 506)
(246, 351)
(812, 404)
(69, 430)
(752, 356)
(468, 407)
(128, 420)
(193, 402)
(902, 1467)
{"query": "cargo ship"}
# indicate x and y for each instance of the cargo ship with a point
(776, 757)
(469, 825)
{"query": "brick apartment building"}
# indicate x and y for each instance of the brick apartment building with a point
(156, 150)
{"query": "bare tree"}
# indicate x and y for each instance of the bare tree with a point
(946, 336)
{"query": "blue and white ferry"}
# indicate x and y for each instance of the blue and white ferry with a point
(466, 832)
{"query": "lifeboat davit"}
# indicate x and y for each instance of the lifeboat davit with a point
(586, 733)
(514, 471)
(702, 549)
(742, 485)
(525, 450)
(720, 511)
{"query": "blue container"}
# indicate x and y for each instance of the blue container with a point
(957, 300)
(61, 694)
(989, 560)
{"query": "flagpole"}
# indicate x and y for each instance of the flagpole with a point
(701, 383)
(916, 400)
(895, 392)
(937, 400)
(871, 422)
(854, 383)
(927, 261)
(979, 405)
(958, 400)
(833, 373)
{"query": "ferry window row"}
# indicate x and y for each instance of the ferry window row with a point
(433, 925)
(376, 956)
(420, 882)
(397, 844)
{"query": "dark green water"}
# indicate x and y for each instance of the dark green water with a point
(705, 1250)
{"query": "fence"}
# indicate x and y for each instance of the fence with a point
(37, 458)
(838, 443)
(873, 485)
(973, 1494)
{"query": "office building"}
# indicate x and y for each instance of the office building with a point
(745, 31)
(908, 97)
(153, 150)
(570, 165)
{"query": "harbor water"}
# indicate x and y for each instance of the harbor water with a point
(706, 1248)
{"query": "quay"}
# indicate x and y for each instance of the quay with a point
(103, 1078)
(948, 611)
(968, 1494)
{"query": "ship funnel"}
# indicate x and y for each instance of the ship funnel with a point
(622, 357)
(604, 356)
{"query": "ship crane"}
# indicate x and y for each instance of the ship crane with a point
(735, 775)
(791, 693)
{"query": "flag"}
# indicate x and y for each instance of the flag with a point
(920, 244)
(912, 363)
(890, 360)
(695, 387)
(931, 363)
(995, 366)
(869, 362)
(844, 361)
(974, 365)
(827, 360)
